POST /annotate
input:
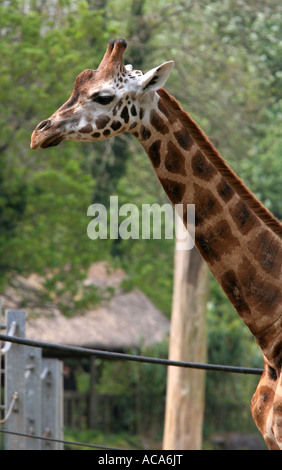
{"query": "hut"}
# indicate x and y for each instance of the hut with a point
(123, 320)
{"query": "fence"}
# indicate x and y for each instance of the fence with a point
(33, 392)
(33, 406)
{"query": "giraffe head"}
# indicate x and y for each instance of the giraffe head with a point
(104, 102)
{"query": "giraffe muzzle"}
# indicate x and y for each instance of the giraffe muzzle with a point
(52, 141)
(44, 139)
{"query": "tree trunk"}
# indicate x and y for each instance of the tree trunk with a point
(186, 387)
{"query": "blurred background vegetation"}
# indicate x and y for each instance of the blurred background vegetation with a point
(227, 75)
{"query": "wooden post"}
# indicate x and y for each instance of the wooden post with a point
(186, 387)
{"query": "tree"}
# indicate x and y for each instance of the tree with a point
(188, 342)
(44, 200)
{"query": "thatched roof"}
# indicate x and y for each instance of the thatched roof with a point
(126, 320)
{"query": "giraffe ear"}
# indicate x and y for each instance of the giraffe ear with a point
(156, 78)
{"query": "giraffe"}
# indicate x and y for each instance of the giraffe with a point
(237, 237)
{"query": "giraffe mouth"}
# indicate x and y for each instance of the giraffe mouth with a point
(40, 141)
(52, 141)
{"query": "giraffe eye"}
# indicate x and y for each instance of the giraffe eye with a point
(106, 99)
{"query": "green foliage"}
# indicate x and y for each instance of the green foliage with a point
(136, 388)
(265, 178)
(43, 198)
(120, 440)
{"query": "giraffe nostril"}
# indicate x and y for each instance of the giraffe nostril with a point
(44, 125)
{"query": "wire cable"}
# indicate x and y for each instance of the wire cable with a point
(60, 441)
(128, 357)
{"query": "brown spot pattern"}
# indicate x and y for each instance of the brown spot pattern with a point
(145, 133)
(202, 168)
(261, 293)
(173, 189)
(218, 242)
(116, 125)
(175, 160)
(154, 153)
(158, 122)
(141, 113)
(125, 114)
(243, 217)
(86, 129)
(206, 204)
(133, 110)
(102, 122)
(133, 125)
(268, 252)
(224, 190)
(184, 139)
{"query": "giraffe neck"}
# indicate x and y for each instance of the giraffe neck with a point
(236, 236)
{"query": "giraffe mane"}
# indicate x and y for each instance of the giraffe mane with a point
(219, 163)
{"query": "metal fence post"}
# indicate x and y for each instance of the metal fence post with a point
(52, 403)
(15, 382)
(33, 397)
